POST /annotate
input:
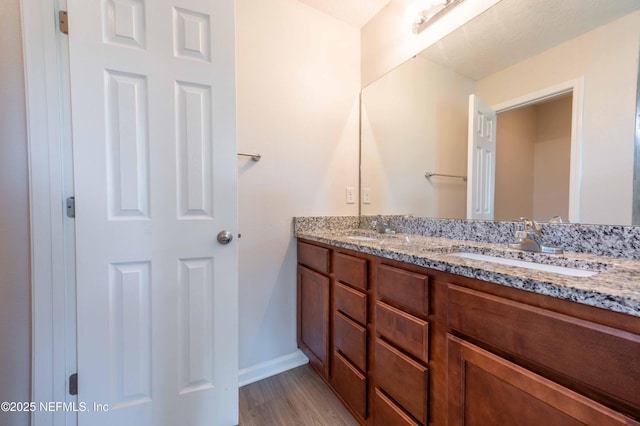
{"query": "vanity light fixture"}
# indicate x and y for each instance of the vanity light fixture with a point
(433, 11)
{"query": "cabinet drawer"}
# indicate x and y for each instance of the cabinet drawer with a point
(350, 270)
(350, 302)
(350, 384)
(350, 339)
(314, 257)
(388, 413)
(571, 347)
(403, 330)
(405, 288)
(403, 379)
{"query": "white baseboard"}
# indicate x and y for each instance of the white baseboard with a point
(271, 368)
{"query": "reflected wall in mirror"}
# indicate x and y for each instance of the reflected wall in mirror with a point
(414, 121)
(415, 118)
(533, 144)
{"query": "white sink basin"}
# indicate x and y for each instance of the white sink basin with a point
(529, 265)
(361, 238)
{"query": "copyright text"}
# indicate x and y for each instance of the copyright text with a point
(52, 406)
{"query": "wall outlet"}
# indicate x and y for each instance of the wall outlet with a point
(351, 195)
(366, 195)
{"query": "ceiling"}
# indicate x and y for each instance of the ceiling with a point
(505, 34)
(354, 12)
(514, 30)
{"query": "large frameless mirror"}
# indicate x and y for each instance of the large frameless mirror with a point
(560, 78)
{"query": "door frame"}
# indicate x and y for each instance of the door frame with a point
(575, 86)
(48, 134)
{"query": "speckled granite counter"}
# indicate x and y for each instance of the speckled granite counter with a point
(616, 286)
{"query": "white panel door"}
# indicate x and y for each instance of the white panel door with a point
(153, 108)
(481, 161)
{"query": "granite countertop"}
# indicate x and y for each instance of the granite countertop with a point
(616, 286)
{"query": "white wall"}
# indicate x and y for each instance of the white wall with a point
(298, 79)
(607, 57)
(388, 39)
(414, 119)
(15, 302)
(515, 138)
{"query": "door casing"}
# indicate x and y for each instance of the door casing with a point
(51, 232)
(575, 86)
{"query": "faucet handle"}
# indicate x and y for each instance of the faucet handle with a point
(530, 225)
(526, 223)
(535, 226)
(556, 219)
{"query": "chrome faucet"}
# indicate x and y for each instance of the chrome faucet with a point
(382, 227)
(530, 238)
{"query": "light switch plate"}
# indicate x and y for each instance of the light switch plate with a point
(351, 195)
(366, 196)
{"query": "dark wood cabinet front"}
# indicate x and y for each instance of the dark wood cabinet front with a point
(403, 288)
(313, 318)
(351, 384)
(388, 413)
(485, 389)
(409, 333)
(571, 347)
(350, 316)
(350, 270)
(403, 379)
(350, 302)
(405, 345)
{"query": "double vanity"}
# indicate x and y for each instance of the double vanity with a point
(477, 322)
(411, 328)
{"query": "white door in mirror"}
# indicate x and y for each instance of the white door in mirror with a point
(481, 161)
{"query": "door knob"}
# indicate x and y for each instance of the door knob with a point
(224, 237)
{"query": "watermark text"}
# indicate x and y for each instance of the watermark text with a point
(52, 406)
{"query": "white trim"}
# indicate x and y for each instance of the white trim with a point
(46, 194)
(271, 368)
(575, 169)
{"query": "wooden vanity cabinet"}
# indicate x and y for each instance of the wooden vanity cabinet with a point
(333, 316)
(405, 345)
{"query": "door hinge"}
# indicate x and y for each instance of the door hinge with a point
(71, 207)
(64, 22)
(73, 384)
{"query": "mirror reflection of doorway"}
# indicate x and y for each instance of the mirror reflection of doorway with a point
(533, 157)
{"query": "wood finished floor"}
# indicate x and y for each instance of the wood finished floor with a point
(295, 397)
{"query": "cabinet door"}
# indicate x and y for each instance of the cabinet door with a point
(485, 389)
(313, 318)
